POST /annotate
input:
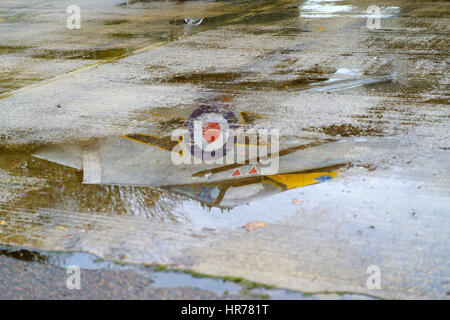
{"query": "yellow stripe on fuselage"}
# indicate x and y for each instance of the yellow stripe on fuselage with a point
(296, 180)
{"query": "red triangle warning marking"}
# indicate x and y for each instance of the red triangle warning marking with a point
(253, 171)
(236, 173)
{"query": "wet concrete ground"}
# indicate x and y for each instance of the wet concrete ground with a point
(44, 275)
(368, 105)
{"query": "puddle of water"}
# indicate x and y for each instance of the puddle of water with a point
(212, 187)
(350, 83)
(323, 8)
(86, 261)
(286, 12)
(46, 189)
(125, 177)
(160, 279)
(176, 279)
(340, 8)
(345, 73)
(133, 175)
(386, 12)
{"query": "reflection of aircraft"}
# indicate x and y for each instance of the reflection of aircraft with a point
(121, 161)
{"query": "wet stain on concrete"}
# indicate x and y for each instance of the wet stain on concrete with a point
(349, 130)
(160, 35)
(288, 31)
(11, 49)
(13, 19)
(11, 81)
(113, 22)
(198, 78)
(100, 54)
(238, 81)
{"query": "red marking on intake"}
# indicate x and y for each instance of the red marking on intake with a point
(253, 170)
(236, 173)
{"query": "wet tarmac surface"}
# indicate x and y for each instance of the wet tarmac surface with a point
(86, 153)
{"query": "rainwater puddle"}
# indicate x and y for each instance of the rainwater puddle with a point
(160, 279)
